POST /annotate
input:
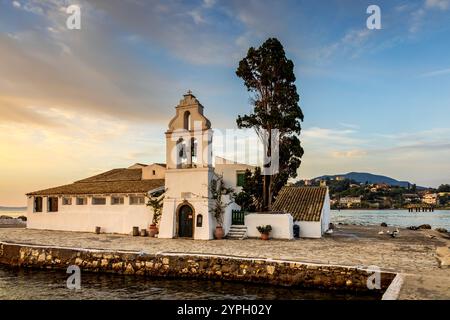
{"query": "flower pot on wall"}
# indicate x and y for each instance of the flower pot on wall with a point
(264, 236)
(219, 233)
(264, 231)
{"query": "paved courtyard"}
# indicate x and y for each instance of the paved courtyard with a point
(413, 253)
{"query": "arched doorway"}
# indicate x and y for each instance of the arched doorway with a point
(185, 221)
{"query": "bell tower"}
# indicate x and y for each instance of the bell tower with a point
(189, 136)
(189, 173)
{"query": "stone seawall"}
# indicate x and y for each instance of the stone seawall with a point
(180, 265)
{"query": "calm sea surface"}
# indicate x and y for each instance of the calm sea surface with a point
(399, 218)
(43, 285)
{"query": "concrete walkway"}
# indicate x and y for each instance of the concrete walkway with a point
(412, 254)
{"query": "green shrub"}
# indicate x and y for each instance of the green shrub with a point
(264, 229)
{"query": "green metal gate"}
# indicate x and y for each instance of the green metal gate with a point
(237, 217)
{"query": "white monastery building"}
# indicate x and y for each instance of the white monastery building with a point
(116, 200)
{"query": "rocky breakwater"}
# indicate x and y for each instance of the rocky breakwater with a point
(9, 222)
(175, 265)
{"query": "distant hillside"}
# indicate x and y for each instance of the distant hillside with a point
(363, 177)
(13, 208)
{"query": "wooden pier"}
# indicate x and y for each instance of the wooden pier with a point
(420, 207)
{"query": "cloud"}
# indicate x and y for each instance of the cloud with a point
(438, 4)
(423, 147)
(42, 70)
(419, 14)
(349, 154)
(349, 125)
(435, 73)
(353, 43)
(209, 3)
(317, 135)
(16, 4)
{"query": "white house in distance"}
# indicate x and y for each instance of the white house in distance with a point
(116, 200)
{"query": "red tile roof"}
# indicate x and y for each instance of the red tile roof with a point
(303, 203)
(113, 181)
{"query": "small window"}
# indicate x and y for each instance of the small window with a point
(187, 120)
(67, 201)
(137, 200)
(199, 221)
(117, 200)
(52, 204)
(38, 204)
(81, 201)
(99, 201)
(240, 178)
(154, 172)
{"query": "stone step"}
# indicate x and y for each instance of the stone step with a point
(236, 238)
(237, 226)
(237, 232)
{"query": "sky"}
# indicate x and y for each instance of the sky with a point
(74, 103)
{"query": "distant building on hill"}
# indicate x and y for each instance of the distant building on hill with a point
(411, 198)
(350, 201)
(430, 198)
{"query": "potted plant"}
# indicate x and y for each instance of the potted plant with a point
(156, 202)
(264, 230)
(218, 191)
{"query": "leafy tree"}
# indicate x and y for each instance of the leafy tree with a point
(444, 188)
(250, 198)
(269, 78)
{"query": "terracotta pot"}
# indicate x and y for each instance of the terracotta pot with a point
(264, 236)
(153, 230)
(219, 233)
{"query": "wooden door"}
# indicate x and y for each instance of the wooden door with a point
(185, 222)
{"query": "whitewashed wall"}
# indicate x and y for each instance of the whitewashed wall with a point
(229, 170)
(309, 229)
(111, 218)
(147, 172)
(282, 225)
(189, 185)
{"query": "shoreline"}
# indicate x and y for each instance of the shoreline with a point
(327, 263)
(196, 266)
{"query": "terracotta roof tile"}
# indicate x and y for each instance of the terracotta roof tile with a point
(303, 203)
(113, 181)
(116, 175)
